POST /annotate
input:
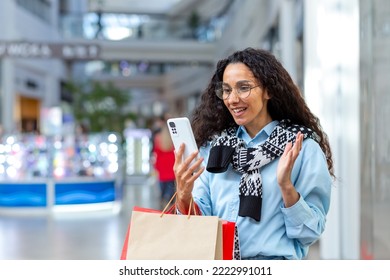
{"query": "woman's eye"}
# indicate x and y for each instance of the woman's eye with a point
(226, 90)
(244, 88)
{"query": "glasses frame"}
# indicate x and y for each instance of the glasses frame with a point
(219, 88)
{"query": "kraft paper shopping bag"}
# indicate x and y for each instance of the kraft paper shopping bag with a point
(174, 237)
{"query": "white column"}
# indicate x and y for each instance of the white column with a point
(52, 91)
(331, 35)
(287, 31)
(8, 96)
(7, 90)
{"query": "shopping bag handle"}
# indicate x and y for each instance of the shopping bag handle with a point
(192, 205)
(164, 211)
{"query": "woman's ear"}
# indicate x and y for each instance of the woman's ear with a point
(267, 95)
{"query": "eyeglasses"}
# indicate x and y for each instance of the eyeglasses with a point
(243, 90)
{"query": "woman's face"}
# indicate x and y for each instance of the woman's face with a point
(250, 111)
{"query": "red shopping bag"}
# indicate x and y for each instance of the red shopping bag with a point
(228, 229)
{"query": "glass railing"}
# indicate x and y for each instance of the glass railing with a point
(134, 27)
(124, 68)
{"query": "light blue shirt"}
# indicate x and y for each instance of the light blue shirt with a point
(281, 231)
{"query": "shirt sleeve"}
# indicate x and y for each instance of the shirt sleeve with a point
(305, 220)
(201, 191)
(196, 208)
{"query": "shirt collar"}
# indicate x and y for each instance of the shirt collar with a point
(265, 132)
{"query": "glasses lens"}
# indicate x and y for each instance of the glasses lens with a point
(223, 91)
(219, 89)
(244, 91)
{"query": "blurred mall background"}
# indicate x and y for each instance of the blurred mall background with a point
(82, 82)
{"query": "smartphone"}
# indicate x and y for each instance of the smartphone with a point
(181, 132)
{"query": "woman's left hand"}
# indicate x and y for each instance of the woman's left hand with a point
(285, 167)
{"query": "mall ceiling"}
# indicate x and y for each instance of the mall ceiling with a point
(136, 6)
(172, 8)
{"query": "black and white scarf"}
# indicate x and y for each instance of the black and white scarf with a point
(228, 148)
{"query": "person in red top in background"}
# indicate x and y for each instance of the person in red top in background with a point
(164, 159)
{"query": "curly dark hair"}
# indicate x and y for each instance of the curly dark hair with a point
(211, 116)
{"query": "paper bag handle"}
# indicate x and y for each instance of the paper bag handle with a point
(192, 205)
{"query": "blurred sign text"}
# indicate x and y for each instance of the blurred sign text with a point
(71, 51)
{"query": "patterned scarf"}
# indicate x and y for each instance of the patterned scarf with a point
(228, 148)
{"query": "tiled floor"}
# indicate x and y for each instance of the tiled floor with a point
(78, 236)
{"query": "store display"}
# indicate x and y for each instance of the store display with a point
(47, 171)
(30, 155)
(138, 149)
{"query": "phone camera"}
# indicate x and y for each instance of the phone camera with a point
(172, 124)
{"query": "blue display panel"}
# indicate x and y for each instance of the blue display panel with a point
(23, 195)
(84, 192)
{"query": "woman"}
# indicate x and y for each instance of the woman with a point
(164, 159)
(265, 162)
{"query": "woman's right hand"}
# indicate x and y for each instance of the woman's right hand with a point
(186, 174)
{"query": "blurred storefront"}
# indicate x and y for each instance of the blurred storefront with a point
(336, 51)
(49, 173)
